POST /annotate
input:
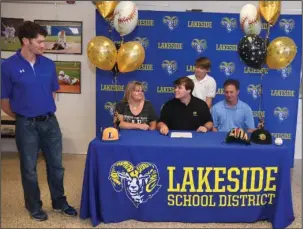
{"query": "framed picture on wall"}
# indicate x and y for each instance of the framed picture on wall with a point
(69, 76)
(9, 40)
(64, 37)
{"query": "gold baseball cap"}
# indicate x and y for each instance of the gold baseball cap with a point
(110, 134)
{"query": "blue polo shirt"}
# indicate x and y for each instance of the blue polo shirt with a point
(29, 89)
(239, 116)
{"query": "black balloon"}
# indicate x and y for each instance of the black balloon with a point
(252, 50)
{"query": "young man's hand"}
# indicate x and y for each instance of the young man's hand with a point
(202, 129)
(164, 130)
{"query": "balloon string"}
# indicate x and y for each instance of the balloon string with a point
(268, 30)
(115, 83)
(115, 116)
(267, 33)
(261, 121)
(266, 42)
(261, 98)
(110, 29)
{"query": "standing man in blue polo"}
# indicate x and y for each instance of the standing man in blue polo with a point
(29, 83)
(232, 112)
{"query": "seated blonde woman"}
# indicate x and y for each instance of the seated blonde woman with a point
(134, 112)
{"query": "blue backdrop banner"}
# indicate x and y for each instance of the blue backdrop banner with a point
(174, 40)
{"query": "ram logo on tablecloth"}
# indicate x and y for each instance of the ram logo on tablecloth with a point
(139, 182)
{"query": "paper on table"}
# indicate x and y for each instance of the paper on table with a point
(181, 135)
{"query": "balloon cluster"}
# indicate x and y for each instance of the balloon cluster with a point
(256, 51)
(103, 52)
(123, 15)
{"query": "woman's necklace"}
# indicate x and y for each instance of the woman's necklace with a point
(135, 107)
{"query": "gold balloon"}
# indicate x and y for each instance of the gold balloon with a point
(270, 11)
(106, 8)
(280, 52)
(102, 52)
(130, 56)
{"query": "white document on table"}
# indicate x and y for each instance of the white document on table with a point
(181, 135)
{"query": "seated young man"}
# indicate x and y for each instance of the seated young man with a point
(184, 112)
(232, 112)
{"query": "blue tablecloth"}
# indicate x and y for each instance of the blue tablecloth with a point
(150, 177)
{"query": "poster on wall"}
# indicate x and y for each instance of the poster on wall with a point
(9, 40)
(69, 76)
(64, 37)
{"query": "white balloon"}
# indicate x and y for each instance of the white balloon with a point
(252, 28)
(125, 17)
(248, 13)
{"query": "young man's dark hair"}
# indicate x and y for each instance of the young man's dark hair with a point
(188, 83)
(30, 30)
(233, 82)
(203, 62)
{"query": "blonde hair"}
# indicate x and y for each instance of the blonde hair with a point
(130, 87)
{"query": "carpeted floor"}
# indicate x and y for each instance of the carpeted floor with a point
(14, 215)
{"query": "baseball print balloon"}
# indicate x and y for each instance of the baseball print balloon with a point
(252, 28)
(125, 17)
(249, 15)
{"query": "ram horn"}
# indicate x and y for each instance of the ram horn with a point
(120, 166)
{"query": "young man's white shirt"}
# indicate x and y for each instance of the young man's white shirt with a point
(204, 88)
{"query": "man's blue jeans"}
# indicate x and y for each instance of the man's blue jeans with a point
(31, 136)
